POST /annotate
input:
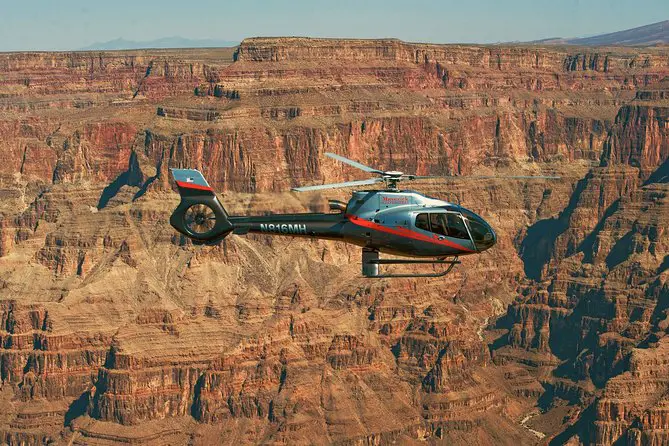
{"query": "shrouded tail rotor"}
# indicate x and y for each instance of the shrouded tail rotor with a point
(200, 219)
(199, 215)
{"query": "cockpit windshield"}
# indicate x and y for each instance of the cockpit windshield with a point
(482, 233)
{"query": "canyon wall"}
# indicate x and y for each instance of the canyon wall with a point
(116, 329)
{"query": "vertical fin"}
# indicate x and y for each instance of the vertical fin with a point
(198, 206)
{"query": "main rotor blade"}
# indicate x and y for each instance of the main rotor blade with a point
(353, 163)
(485, 177)
(510, 177)
(337, 185)
(422, 177)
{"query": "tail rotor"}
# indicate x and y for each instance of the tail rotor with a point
(199, 215)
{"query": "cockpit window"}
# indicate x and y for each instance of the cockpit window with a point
(422, 222)
(438, 224)
(456, 227)
(482, 233)
(443, 223)
(479, 232)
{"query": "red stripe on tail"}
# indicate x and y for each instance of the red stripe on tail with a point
(193, 186)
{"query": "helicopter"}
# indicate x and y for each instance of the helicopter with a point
(403, 223)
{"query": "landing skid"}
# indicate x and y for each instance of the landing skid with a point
(371, 262)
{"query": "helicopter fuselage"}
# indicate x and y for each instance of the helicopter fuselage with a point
(397, 222)
(404, 223)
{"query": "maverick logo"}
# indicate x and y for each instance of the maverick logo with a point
(394, 200)
(286, 228)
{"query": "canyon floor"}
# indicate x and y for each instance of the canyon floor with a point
(114, 329)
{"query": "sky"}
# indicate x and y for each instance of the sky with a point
(73, 24)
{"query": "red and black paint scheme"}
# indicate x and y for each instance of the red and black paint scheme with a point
(405, 223)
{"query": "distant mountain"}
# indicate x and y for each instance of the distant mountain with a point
(654, 34)
(165, 42)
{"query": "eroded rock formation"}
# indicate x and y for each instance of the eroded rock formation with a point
(116, 329)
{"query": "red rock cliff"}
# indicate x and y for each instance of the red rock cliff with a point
(116, 329)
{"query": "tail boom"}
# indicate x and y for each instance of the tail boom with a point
(201, 216)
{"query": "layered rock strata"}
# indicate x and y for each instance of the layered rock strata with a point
(115, 329)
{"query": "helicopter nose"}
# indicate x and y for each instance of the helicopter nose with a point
(493, 236)
(486, 237)
(482, 233)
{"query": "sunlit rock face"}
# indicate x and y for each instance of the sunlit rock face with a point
(113, 328)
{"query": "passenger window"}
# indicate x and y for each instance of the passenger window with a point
(438, 224)
(422, 222)
(456, 226)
